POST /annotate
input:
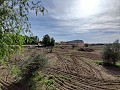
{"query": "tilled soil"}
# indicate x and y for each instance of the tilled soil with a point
(73, 70)
(81, 74)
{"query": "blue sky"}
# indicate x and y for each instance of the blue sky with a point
(94, 21)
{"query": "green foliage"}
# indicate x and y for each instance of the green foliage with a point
(52, 42)
(31, 65)
(111, 53)
(39, 81)
(15, 71)
(35, 81)
(13, 23)
(31, 40)
(47, 41)
(99, 62)
(10, 43)
(27, 71)
(50, 85)
(49, 82)
(118, 64)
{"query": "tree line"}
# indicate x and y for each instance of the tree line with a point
(31, 40)
(46, 40)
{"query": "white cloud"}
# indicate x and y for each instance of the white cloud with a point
(66, 18)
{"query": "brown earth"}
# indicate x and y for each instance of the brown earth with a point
(75, 70)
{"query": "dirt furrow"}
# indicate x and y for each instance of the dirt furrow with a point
(83, 75)
(94, 72)
(87, 81)
(82, 69)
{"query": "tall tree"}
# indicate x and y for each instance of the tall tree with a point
(46, 40)
(52, 42)
(14, 22)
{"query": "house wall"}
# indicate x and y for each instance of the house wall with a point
(75, 43)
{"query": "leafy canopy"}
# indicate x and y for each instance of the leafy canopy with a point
(47, 41)
(52, 41)
(111, 53)
(14, 22)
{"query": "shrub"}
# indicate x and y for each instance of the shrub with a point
(32, 64)
(111, 53)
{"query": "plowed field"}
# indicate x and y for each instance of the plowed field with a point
(76, 71)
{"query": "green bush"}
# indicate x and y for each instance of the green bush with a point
(31, 65)
(111, 53)
(29, 71)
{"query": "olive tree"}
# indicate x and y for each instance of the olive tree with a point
(14, 22)
(111, 53)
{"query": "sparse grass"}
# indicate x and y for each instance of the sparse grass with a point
(49, 82)
(52, 87)
(99, 62)
(36, 81)
(15, 71)
(118, 64)
(27, 71)
(41, 80)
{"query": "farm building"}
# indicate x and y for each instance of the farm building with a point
(74, 42)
